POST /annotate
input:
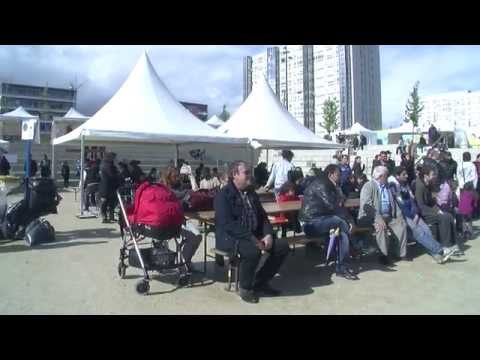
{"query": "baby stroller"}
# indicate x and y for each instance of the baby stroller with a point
(43, 201)
(155, 255)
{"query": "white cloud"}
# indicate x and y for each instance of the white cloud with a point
(212, 74)
(199, 73)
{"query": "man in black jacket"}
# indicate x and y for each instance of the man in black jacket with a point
(322, 212)
(242, 224)
(109, 183)
(431, 213)
(432, 161)
(4, 165)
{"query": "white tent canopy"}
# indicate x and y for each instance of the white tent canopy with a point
(359, 129)
(405, 128)
(144, 110)
(18, 114)
(215, 122)
(266, 123)
(72, 115)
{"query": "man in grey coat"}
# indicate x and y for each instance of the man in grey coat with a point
(379, 208)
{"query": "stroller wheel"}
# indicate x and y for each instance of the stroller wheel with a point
(121, 270)
(142, 287)
(184, 280)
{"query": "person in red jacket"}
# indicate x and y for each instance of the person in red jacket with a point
(288, 193)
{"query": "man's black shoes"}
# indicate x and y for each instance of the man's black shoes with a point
(267, 290)
(385, 261)
(248, 296)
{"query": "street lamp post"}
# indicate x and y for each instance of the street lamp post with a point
(285, 52)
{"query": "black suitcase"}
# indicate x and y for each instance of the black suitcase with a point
(39, 231)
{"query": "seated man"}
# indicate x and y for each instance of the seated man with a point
(242, 224)
(431, 213)
(379, 208)
(321, 212)
(420, 230)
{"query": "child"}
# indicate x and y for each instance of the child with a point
(467, 207)
(287, 193)
(445, 199)
(361, 180)
(350, 188)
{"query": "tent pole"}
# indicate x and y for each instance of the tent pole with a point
(267, 158)
(176, 155)
(82, 165)
(53, 151)
(53, 163)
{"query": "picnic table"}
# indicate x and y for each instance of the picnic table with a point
(207, 218)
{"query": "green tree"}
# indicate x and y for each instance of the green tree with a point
(330, 115)
(413, 108)
(225, 115)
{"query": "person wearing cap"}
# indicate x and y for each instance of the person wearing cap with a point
(279, 174)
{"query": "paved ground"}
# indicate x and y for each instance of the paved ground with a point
(77, 275)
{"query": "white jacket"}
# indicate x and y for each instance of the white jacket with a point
(279, 175)
(467, 172)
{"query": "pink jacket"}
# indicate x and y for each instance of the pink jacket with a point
(467, 205)
(445, 197)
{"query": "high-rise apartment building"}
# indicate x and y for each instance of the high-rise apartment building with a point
(350, 74)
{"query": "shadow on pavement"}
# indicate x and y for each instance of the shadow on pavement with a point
(21, 246)
(88, 234)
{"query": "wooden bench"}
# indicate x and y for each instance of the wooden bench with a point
(304, 240)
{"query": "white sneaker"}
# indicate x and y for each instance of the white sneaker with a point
(438, 258)
(447, 252)
(456, 250)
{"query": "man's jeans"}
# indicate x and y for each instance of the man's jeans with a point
(421, 233)
(322, 225)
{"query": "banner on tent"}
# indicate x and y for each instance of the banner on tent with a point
(28, 129)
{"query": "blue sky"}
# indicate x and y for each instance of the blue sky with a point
(213, 74)
(438, 68)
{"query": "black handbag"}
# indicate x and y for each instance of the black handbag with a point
(39, 231)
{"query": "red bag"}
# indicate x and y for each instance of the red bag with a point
(155, 205)
(201, 200)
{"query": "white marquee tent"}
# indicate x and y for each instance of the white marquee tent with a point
(18, 115)
(359, 129)
(215, 122)
(72, 117)
(143, 110)
(405, 128)
(267, 124)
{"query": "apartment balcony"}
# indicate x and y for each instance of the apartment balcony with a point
(35, 97)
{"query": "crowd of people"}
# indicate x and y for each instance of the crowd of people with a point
(431, 203)
(355, 141)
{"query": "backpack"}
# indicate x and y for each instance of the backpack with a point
(201, 200)
(156, 205)
(16, 216)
